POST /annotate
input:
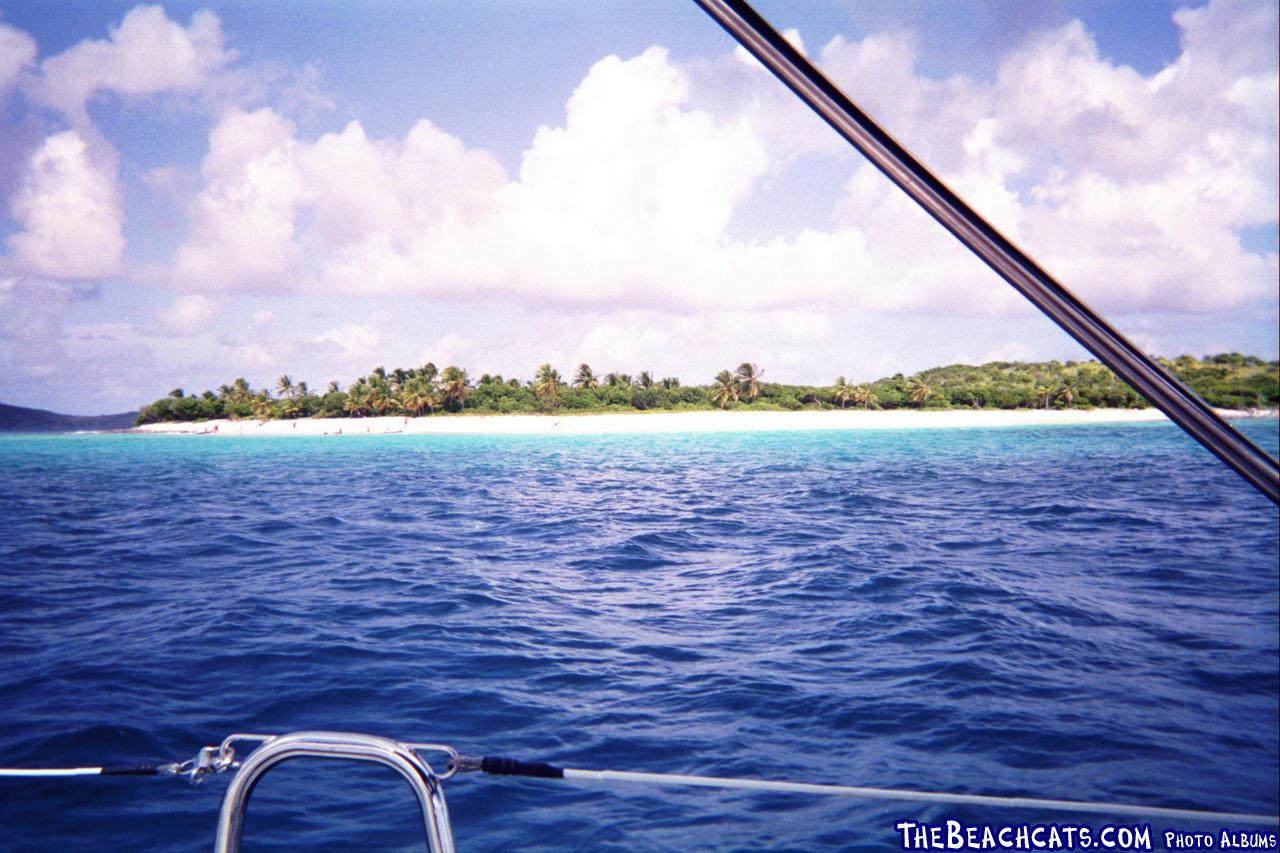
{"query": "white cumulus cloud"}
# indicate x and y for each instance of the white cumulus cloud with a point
(70, 213)
(146, 54)
(1132, 188)
(630, 200)
(189, 314)
(242, 221)
(17, 52)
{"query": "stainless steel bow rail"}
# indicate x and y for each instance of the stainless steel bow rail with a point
(1059, 304)
(406, 758)
(272, 750)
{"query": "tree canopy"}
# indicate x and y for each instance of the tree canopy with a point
(1228, 380)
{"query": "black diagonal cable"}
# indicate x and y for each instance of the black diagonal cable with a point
(1113, 349)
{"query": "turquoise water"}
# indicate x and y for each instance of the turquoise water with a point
(1076, 612)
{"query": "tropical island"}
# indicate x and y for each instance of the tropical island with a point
(1226, 381)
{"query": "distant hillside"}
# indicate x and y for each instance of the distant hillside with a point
(18, 419)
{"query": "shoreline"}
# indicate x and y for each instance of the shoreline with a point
(670, 422)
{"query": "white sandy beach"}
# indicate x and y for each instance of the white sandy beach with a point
(667, 422)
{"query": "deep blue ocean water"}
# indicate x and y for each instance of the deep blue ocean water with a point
(1073, 612)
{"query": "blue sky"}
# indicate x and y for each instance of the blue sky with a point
(195, 192)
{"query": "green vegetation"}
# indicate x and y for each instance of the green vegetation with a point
(1227, 381)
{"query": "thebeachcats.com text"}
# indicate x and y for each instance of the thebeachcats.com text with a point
(956, 835)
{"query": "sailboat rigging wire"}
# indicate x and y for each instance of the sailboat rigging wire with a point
(512, 767)
(1076, 318)
(212, 759)
(59, 772)
(914, 796)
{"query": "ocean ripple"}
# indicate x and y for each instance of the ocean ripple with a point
(1083, 612)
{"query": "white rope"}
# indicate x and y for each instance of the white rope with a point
(822, 789)
(916, 796)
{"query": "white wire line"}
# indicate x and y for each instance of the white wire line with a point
(776, 786)
(914, 796)
(56, 772)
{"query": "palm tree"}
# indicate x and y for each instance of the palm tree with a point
(428, 372)
(546, 384)
(354, 404)
(291, 408)
(863, 397)
(1043, 396)
(645, 379)
(842, 391)
(585, 379)
(284, 386)
(398, 377)
(380, 399)
(624, 380)
(748, 378)
(453, 385)
(670, 382)
(240, 391)
(333, 388)
(724, 390)
(1066, 395)
(262, 408)
(416, 396)
(919, 391)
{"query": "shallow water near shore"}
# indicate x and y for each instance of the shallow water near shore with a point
(1068, 612)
